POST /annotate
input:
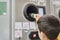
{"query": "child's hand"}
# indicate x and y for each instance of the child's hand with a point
(36, 16)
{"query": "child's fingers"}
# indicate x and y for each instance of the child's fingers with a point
(36, 16)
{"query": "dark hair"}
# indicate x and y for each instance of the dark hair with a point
(49, 24)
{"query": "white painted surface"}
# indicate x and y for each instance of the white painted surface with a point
(56, 2)
(18, 25)
(26, 25)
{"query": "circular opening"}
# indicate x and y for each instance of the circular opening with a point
(28, 10)
(33, 35)
(31, 9)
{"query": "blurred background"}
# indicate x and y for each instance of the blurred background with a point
(17, 17)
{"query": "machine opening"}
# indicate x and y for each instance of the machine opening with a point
(32, 9)
(28, 10)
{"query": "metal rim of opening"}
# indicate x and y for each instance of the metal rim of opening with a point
(28, 9)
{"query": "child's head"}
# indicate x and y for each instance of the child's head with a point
(49, 26)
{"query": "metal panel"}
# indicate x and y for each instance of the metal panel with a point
(5, 24)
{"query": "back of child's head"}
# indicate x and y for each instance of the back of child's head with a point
(49, 24)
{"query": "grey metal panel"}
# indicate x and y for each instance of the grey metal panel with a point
(5, 25)
(4, 28)
(18, 10)
(25, 35)
(19, 5)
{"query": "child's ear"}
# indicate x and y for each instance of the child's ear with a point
(58, 37)
(39, 33)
